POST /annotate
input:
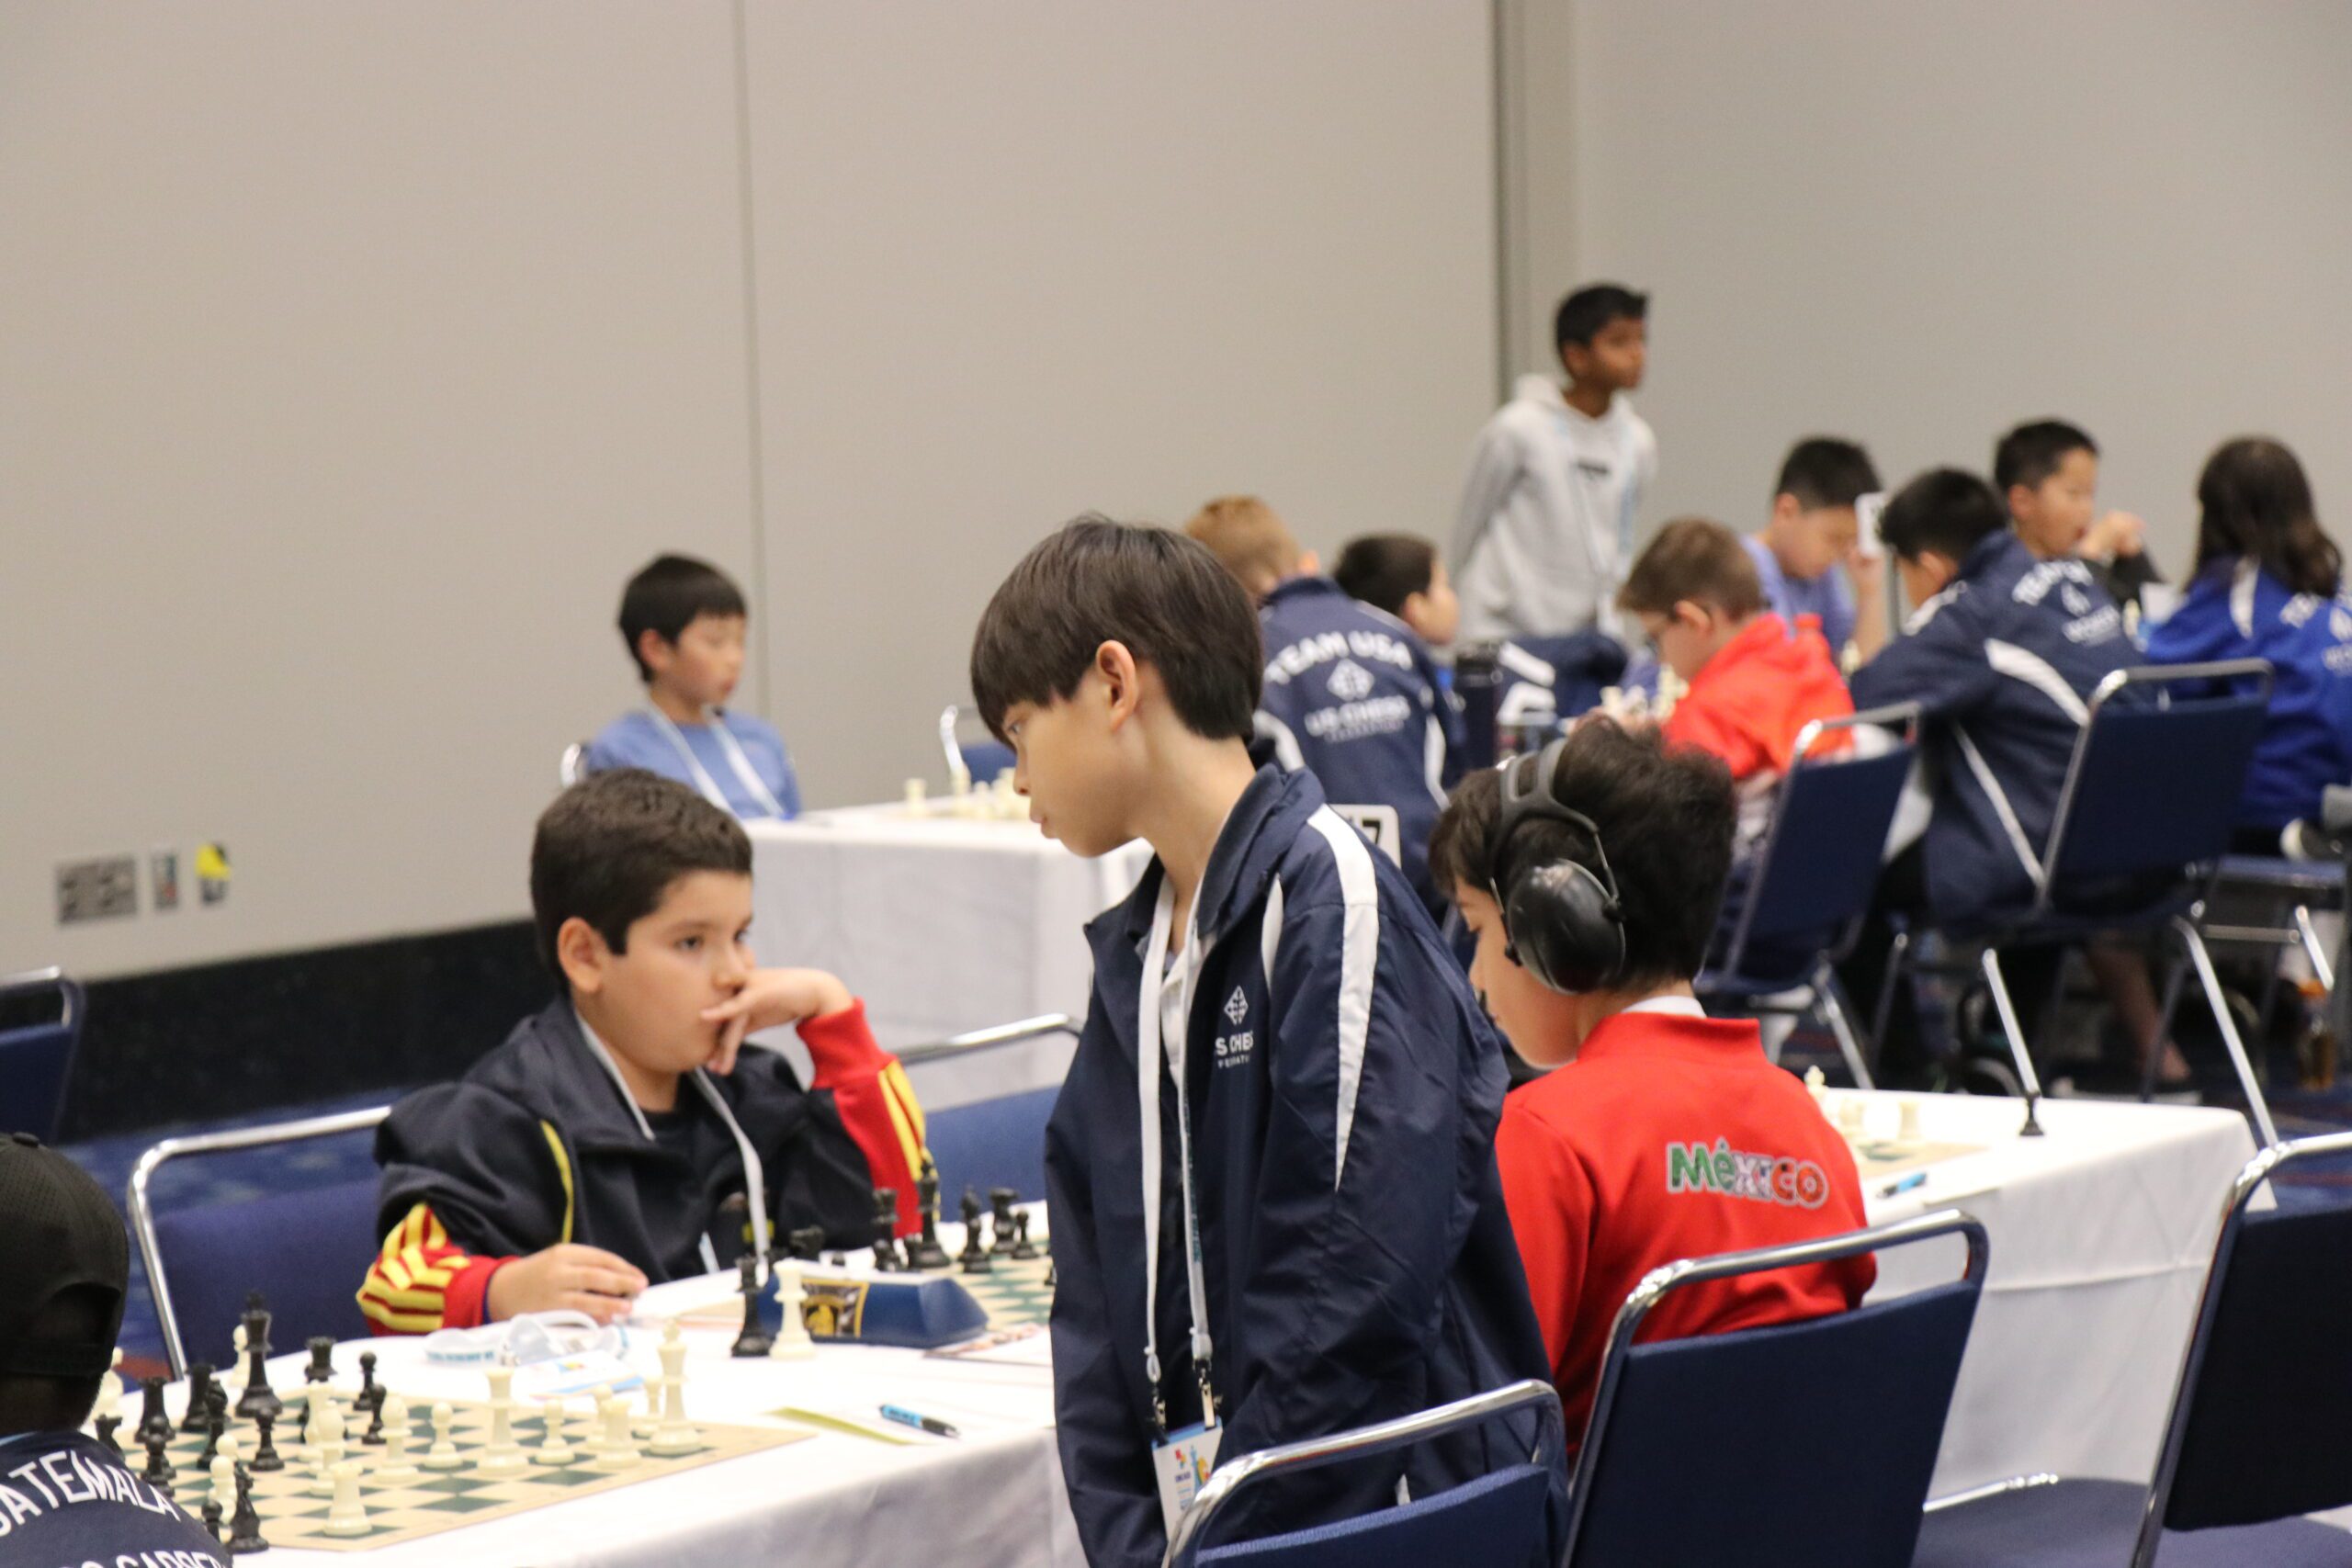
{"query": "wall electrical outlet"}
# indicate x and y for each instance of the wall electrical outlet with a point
(102, 889)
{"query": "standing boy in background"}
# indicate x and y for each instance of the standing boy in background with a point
(1350, 693)
(683, 622)
(1547, 521)
(1808, 557)
(1275, 1209)
(2048, 472)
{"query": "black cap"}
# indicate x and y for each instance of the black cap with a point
(58, 1233)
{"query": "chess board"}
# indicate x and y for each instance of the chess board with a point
(1879, 1157)
(1011, 1294)
(437, 1500)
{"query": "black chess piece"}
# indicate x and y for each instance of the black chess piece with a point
(923, 1251)
(258, 1395)
(806, 1242)
(321, 1367)
(159, 1471)
(886, 1232)
(244, 1525)
(370, 1399)
(151, 1417)
(1023, 1248)
(755, 1340)
(212, 1518)
(266, 1455)
(974, 1258)
(200, 1404)
(216, 1421)
(1001, 1203)
(106, 1423)
(374, 1437)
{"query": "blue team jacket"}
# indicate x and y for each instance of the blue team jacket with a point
(1352, 695)
(2237, 610)
(1359, 1263)
(2003, 663)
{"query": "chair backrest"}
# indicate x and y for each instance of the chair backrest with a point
(1499, 1520)
(36, 1059)
(2265, 1390)
(1803, 1443)
(1819, 863)
(306, 1250)
(993, 1143)
(2191, 726)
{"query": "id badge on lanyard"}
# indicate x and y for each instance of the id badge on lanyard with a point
(1181, 1460)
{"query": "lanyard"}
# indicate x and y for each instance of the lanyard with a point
(735, 760)
(754, 1178)
(1148, 1045)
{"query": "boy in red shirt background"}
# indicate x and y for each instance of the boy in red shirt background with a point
(1590, 877)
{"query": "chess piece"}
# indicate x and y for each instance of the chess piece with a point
(374, 1404)
(199, 1398)
(552, 1449)
(1849, 1119)
(443, 1454)
(111, 1391)
(674, 1435)
(806, 1242)
(159, 1471)
(617, 1450)
(754, 1340)
(1001, 1203)
(1816, 1084)
(1906, 1131)
(328, 1449)
(244, 1523)
(792, 1342)
(266, 1459)
(974, 1258)
(923, 1251)
(346, 1515)
(151, 1417)
(321, 1367)
(1023, 1249)
(216, 1422)
(886, 1232)
(107, 1425)
(213, 1515)
(505, 1455)
(258, 1395)
(391, 1414)
(371, 1393)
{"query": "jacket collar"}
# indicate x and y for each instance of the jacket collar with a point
(1994, 552)
(562, 1078)
(1256, 833)
(1308, 587)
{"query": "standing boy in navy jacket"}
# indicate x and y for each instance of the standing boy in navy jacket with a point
(1349, 692)
(1277, 1035)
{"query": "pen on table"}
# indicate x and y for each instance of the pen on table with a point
(1903, 1184)
(906, 1417)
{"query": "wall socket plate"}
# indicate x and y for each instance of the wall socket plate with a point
(102, 889)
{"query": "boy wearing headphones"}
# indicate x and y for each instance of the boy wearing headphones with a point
(1589, 877)
(1272, 1170)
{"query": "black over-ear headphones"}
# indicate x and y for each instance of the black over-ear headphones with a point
(1561, 924)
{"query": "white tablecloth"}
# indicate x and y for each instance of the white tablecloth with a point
(942, 925)
(2101, 1232)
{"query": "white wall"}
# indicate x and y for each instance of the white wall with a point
(351, 357)
(1919, 224)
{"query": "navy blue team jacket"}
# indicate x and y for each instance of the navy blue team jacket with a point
(2003, 663)
(1359, 1263)
(1352, 696)
(70, 1501)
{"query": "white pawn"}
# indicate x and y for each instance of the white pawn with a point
(224, 1478)
(617, 1452)
(346, 1515)
(600, 1422)
(1816, 1084)
(327, 1426)
(396, 1465)
(1907, 1131)
(554, 1449)
(443, 1454)
(792, 1342)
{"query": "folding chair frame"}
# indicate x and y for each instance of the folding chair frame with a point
(73, 1002)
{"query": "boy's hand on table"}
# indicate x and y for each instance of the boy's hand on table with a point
(772, 998)
(566, 1278)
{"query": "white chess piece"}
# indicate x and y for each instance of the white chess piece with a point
(600, 1424)
(1816, 1084)
(674, 1435)
(396, 1465)
(1907, 1130)
(327, 1426)
(1850, 1118)
(554, 1449)
(224, 1480)
(792, 1342)
(346, 1515)
(110, 1396)
(233, 1379)
(505, 1455)
(443, 1454)
(617, 1450)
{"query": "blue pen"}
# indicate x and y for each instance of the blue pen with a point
(1905, 1184)
(932, 1424)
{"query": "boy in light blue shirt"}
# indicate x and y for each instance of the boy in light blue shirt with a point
(1808, 556)
(683, 621)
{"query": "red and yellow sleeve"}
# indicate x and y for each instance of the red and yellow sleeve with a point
(877, 1104)
(422, 1281)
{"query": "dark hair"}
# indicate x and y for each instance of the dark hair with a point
(1826, 470)
(610, 846)
(2253, 501)
(1665, 816)
(2033, 451)
(667, 595)
(1584, 313)
(1093, 581)
(1694, 558)
(1386, 569)
(1947, 511)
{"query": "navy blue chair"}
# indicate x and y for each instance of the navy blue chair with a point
(1804, 897)
(2255, 1436)
(1790, 1447)
(998, 1141)
(36, 1059)
(2280, 887)
(1503, 1519)
(306, 1250)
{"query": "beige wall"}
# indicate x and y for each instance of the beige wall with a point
(350, 357)
(1918, 224)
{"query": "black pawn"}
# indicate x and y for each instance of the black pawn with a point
(1023, 1249)
(755, 1340)
(266, 1455)
(106, 1423)
(258, 1395)
(159, 1471)
(973, 1258)
(371, 1400)
(924, 1251)
(374, 1437)
(216, 1421)
(212, 1518)
(152, 1421)
(244, 1525)
(1001, 1203)
(200, 1403)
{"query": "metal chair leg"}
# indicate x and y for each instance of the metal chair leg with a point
(1898, 953)
(1829, 997)
(2257, 1107)
(2018, 1052)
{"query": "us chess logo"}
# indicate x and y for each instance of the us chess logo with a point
(1237, 1007)
(1350, 682)
(1234, 1049)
